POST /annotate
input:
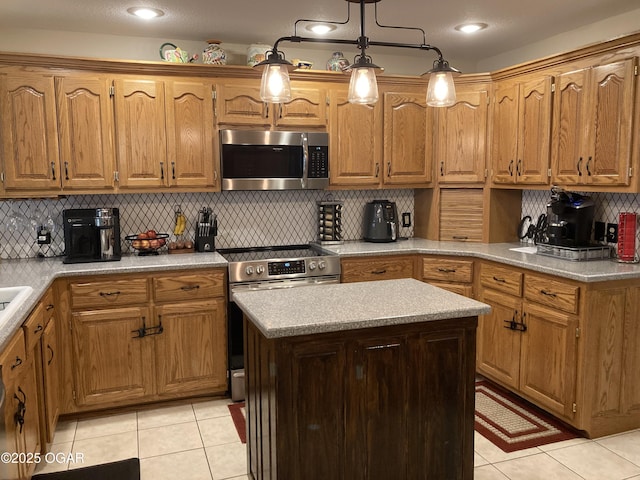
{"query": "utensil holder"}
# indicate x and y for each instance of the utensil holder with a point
(330, 222)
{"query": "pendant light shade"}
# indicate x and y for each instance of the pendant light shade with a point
(441, 91)
(275, 86)
(363, 86)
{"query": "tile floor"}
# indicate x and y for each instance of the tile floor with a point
(199, 442)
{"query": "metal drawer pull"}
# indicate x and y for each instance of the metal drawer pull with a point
(49, 307)
(51, 350)
(510, 168)
(22, 408)
(109, 294)
(447, 270)
(17, 363)
(549, 294)
(498, 279)
(188, 288)
(379, 272)
(460, 237)
(39, 328)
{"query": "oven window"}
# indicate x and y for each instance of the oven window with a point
(262, 161)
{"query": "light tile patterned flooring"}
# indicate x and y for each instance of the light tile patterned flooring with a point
(199, 442)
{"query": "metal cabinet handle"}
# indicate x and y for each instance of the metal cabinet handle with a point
(109, 294)
(173, 170)
(442, 169)
(49, 307)
(161, 170)
(547, 293)
(388, 169)
(18, 417)
(39, 328)
(188, 288)
(266, 110)
(377, 169)
(499, 279)
(379, 272)
(460, 237)
(66, 171)
(518, 169)
(578, 167)
(447, 270)
(587, 166)
(51, 350)
(17, 363)
(510, 168)
(53, 170)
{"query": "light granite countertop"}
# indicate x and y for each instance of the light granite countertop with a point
(40, 273)
(291, 312)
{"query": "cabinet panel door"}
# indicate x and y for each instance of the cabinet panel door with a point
(85, 122)
(141, 133)
(534, 131)
(548, 359)
(111, 363)
(50, 366)
(29, 133)
(190, 133)
(355, 136)
(242, 105)
(307, 108)
(191, 349)
(504, 132)
(611, 103)
(408, 130)
(461, 140)
(498, 346)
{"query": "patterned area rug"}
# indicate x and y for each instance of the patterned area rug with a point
(512, 423)
(504, 419)
(238, 415)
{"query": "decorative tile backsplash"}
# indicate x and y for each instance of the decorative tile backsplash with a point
(244, 218)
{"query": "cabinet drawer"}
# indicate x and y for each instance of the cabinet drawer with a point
(377, 268)
(459, 288)
(447, 270)
(13, 358)
(552, 293)
(502, 279)
(197, 286)
(113, 293)
(34, 326)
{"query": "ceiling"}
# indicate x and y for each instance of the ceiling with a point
(512, 24)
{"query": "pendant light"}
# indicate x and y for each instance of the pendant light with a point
(363, 87)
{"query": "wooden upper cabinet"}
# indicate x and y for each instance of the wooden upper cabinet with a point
(355, 138)
(461, 142)
(408, 128)
(521, 132)
(29, 133)
(85, 123)
(141, 133)
(191, 137)
(593, 120)
(239, 104)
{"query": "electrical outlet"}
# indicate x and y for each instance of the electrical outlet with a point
(599, 231)
(406, 219)
(612, 232)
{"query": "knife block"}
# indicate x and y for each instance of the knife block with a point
(205, 243)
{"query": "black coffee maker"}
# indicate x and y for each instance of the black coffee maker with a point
(569, 219)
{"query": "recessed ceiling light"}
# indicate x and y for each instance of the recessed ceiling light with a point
(471, 27)
(320, 28)
(145, 12)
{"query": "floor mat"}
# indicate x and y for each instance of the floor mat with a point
(123, 470)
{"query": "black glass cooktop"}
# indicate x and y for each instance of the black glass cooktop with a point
(269, 253)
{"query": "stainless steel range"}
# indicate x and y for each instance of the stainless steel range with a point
(258, 268)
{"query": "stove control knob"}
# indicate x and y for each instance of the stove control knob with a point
(312, 265)
(260, 269)
(322, 264)
(249, 270)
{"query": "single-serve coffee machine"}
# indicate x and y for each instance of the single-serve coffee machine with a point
(91, 235)
(569, 219)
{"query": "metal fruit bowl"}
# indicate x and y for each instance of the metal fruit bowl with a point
(145, 245)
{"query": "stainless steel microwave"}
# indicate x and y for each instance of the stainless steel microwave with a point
(274, 160)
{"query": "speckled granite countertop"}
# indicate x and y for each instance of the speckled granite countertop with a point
(584, 271)
(290, 312)
(40, 273)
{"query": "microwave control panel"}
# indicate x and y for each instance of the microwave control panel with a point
(318, 162)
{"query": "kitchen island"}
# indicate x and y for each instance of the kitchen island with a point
(362, 380)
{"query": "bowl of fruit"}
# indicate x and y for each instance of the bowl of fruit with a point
(147, 243)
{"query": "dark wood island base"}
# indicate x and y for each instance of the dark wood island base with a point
(390, 402)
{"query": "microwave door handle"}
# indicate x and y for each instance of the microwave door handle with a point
(305, 159)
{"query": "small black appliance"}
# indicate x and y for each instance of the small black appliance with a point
(380, 221)
(569, 219)
(91, 235)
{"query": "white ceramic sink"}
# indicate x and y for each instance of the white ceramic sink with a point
(10, 300)
(525, 249)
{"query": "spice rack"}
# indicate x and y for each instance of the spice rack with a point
(330, 222)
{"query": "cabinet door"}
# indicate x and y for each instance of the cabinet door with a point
(85, 123)
(355, 137)
(610, 109)
(112, 363)
(408, 130)
(191, 351)
(307, 108)
(504, 134)
(141, 133)
(29, 133)
(569, 128)
(534, 132)
(548, 359)
(50, 367)
(242, 105)
(461, 139)
(461, 214)
(190, 133)
(499, 346)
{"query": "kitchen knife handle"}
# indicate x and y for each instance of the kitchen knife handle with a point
(578, 167)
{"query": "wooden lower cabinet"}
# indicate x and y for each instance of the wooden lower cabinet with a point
(452, 274)
(384, 267)
(378, 403)
(50, 379)
(150, 337)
